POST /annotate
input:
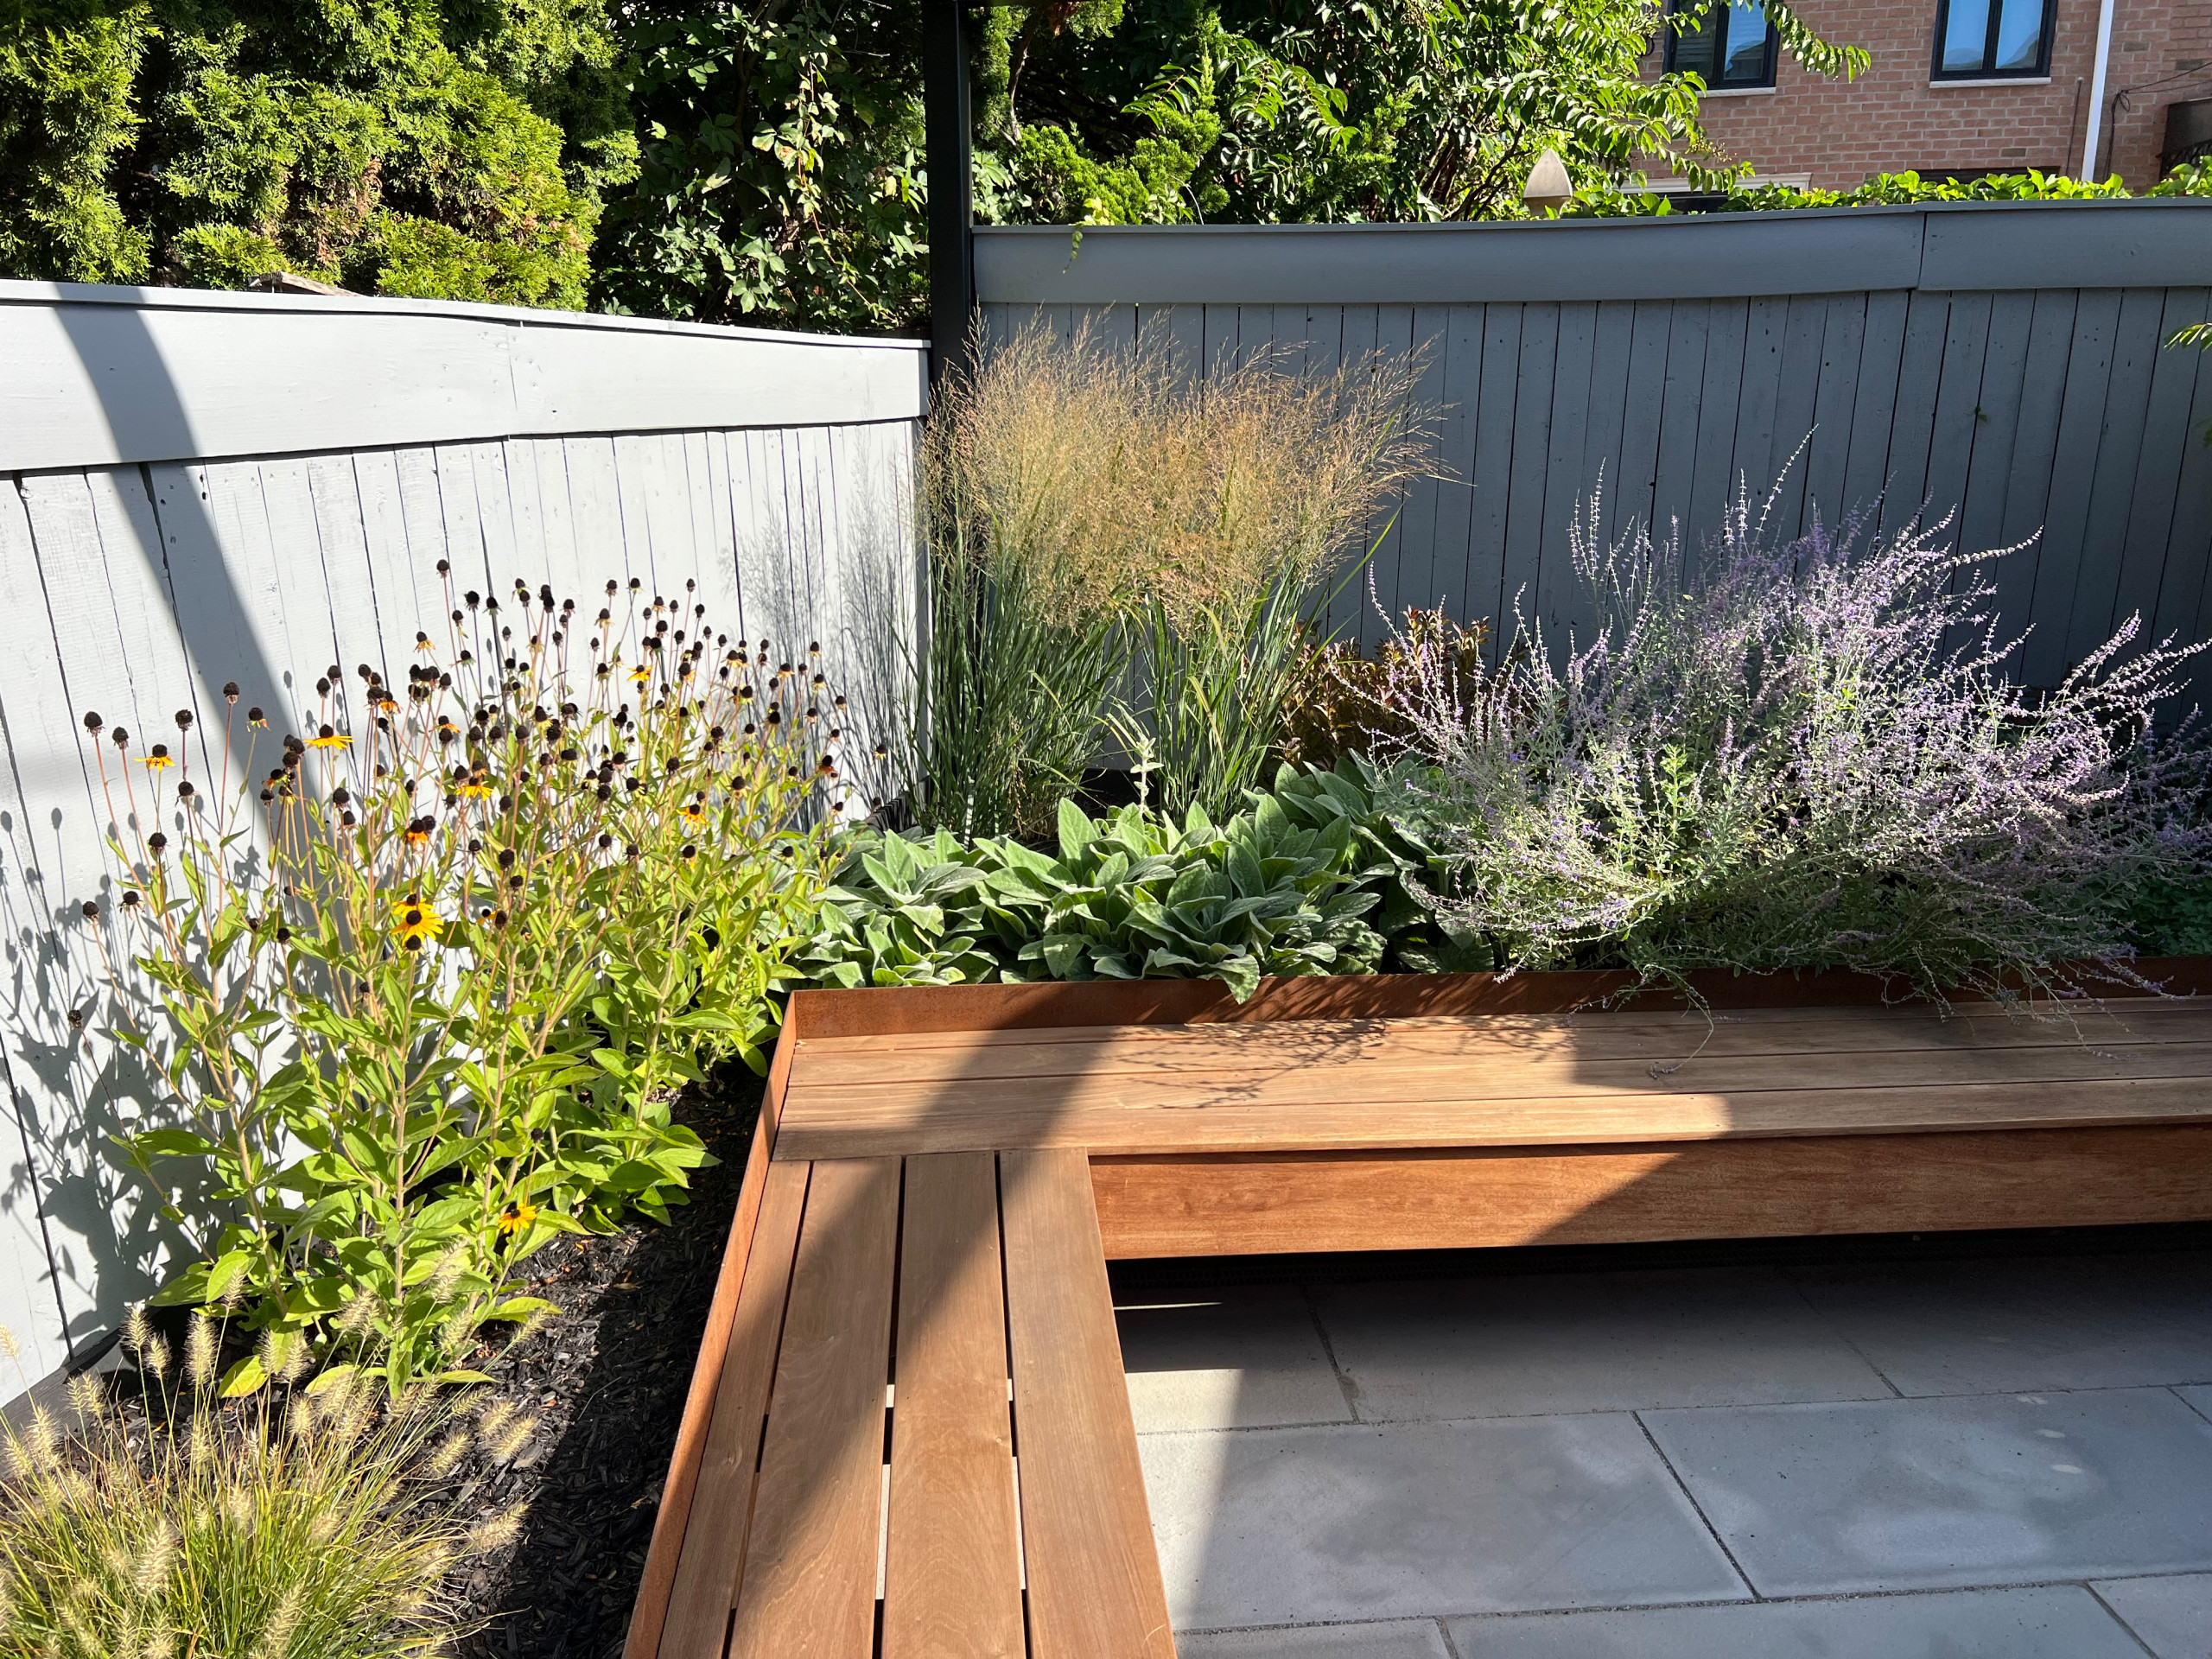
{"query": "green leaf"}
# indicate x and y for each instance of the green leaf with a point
(244, 1378)
(187, 1289)
(173, 1143)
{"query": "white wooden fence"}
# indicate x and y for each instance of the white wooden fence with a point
(198, 487)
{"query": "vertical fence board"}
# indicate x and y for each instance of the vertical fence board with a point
(1996, 426)
(2157, 466)
(1881, 359)
(1843, 342)
(1531, 452)
(1912, 428)
(1713, 484)
(1610, 368)
(1489, 504)
(1461, 342)
(2066, 519)
(1566, 489)
(1759, 447)
(2183, 587)
(1643, 414)
(1958, 408)
(2139, 345)
(1804, 339)
(1681, 418)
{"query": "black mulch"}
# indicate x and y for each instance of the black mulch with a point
(606, 1380)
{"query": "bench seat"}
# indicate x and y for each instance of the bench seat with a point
(909, 1435)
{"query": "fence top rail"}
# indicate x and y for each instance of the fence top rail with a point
(2166, 242)
(101, 377)
(378, 305)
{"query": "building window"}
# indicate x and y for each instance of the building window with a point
(1729, 44)
(1991, 39)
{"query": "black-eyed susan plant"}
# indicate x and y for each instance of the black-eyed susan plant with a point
(152, 1520)
(430, 973)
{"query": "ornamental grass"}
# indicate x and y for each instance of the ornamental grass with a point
(298, 1525)
(1097, 508)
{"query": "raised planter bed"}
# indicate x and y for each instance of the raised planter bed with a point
(939, 1175)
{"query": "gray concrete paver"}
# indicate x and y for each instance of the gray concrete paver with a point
(2048, 1622)
(1238, 1357)
(1922, 1494)
(1994, 1325)
(1305, 1525)
(2172, 1616)
(1541, 1344)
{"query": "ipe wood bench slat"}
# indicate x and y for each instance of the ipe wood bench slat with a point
(952, 1579)
(1147, 1051)
(940, 1176)
(1095, 1590)
(806, 1587)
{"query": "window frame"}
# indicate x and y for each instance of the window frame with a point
(2039, 71)
(1725, 12)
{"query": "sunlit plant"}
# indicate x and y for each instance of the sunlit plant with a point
(1801, 754)
(296, 1525)
(429, 974)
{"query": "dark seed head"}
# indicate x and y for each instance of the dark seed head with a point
(93, 722)
(92, 910)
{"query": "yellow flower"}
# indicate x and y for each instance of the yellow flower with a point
(478, 786)
(641, 674)
(516, 1218)
(414, 922)
(328, 739)
(158, 759)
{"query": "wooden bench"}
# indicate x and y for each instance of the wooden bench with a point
(908, 1432)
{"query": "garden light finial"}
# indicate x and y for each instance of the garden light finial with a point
(1549, 187)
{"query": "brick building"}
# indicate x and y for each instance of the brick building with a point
(1957, 86)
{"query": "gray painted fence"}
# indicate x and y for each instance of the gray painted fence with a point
(199, 487)
(2004, 363)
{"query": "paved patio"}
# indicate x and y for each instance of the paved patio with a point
(2006, 1455)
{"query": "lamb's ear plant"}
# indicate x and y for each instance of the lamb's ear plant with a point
(158, 1521)
(427, 978)
(1803, 753)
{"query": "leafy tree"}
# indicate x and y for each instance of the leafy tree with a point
(782, 172)
(456, 149)
(780, 164)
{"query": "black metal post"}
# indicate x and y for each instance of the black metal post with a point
(950, 144)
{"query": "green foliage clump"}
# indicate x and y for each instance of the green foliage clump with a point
(1610, 200)
(1134, 895)
(782, 173)
(1313, 878)
(448, 152)
(779, 166)
(429, 981)
(312, 1525)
